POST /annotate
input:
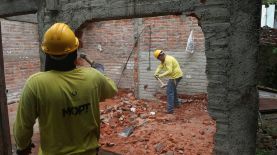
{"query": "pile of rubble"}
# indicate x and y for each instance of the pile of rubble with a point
(131, 126)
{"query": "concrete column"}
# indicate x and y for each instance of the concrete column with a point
(232, 37)
(5, 139)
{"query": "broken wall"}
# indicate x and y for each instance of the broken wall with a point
(21, 55)
(111, 43)
(171, 33)
(231, 30)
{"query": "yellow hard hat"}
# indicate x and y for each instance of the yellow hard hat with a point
(157, 53)
(59, 39)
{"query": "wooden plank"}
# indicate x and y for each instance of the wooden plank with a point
(18, 7)
(5, 138)
(268, 106)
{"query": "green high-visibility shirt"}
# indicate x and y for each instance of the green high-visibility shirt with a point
(171, 68)
(67, 107)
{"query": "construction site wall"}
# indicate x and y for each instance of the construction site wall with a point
(21, 56)
(111, 42)
(231, 47)
(171, 33)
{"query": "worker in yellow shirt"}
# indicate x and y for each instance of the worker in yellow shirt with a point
(65, 99)
(172, 70)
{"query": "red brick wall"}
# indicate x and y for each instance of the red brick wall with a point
(171, 34)
(21, 55)
(109, 43)
(116, 39)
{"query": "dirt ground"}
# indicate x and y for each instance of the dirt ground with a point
(189, 131)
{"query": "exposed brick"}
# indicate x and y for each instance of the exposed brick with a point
(110, 42)
(21, 55)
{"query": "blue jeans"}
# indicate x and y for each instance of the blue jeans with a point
(171, 91)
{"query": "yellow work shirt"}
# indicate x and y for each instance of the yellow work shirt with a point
(67, 107)
(171, 67)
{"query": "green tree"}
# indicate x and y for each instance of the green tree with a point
(268, 2)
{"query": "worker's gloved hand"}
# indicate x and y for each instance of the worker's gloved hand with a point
(156, 76)
(26, 151)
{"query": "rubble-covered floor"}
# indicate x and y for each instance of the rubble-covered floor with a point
(189, 131)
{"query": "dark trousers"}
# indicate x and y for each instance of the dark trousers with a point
(171, 91)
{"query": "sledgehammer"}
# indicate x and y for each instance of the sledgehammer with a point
(93, 64)
(84, 56)
(162, 84)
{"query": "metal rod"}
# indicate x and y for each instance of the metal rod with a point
(5, 138)
(130, 54)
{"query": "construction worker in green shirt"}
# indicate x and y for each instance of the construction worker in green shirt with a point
(65, 99)
(172, 70)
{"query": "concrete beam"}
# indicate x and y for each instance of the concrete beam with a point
(98, 10)
(18, 7)
(29, 18)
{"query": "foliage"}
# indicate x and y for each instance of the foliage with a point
(267, 2)
(271, 76)
(274, 51)
(262, 152)
(267, 69)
